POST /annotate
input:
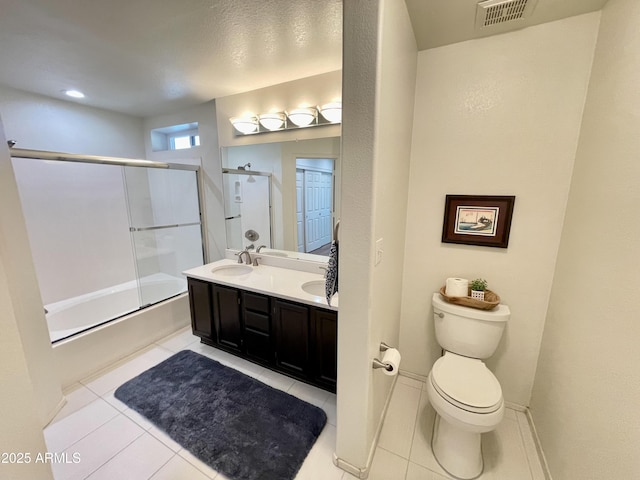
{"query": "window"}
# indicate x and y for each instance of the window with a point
(175, 137)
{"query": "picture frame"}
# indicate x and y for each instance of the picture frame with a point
(481, 220)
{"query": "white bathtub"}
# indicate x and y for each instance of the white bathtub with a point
(83, 312)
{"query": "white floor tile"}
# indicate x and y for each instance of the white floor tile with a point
(418, 472)
(412, 382)
(76, 396)
(140, 460)
(276, 380)
(537, 472)
(387, 465)
(319, 463)
(199, 465)
(115, 442)
(397, 431)
(179, 340)
(165, 438)
(179, 469)
(313, 395)
(68, 430)
(330, 408)
(97, 448)
(421, 452)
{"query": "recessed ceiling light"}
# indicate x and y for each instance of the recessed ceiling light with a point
(74, 93)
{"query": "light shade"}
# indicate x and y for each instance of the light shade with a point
(272, 121)
(332, 112)
(302, 117)
(245, 125)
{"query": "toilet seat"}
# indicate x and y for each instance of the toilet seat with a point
(466, 383)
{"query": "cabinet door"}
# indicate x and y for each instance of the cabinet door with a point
(226, 308)
(292, 337)
(201, 308)
(324, 324)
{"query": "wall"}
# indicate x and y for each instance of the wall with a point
(31, 391)
(495, 116)
(207, 155)
(42, 123)
(587, 387)
(379, 75)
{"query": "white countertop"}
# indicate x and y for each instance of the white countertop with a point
(275, 281)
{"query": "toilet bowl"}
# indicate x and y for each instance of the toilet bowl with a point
(468, 400)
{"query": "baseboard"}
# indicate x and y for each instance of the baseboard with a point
(516, 407)
(364, 471)
(536, 440)
(415, 376)
(52, 414)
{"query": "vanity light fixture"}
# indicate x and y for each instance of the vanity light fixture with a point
(74, 93)
(272, 121)
(302, 117)
(332, 112)
(245, 125)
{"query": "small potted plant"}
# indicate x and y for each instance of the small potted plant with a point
(478, 286)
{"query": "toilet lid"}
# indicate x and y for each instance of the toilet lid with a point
(467, 382)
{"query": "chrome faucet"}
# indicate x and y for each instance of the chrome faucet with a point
(248, 259)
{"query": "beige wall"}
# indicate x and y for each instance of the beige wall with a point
(207, 155)
(587, 386)
(30, 393)
(495, 116)
(379, 79)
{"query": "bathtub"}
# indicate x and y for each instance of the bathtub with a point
(74, 315)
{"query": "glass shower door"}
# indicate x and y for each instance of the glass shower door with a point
(166, 229)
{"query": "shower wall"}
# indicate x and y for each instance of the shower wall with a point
(76, 216)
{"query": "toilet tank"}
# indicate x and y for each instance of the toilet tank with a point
(468, 331)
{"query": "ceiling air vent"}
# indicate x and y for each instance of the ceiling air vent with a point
(496, 12)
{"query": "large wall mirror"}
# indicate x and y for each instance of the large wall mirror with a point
(283, 196)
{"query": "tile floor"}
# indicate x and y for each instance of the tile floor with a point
(113, 441)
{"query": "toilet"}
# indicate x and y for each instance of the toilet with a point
(465, 394)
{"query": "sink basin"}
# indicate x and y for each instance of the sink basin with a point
(232, 270)
(315, 287)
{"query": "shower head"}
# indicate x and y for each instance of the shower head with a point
(244, 167)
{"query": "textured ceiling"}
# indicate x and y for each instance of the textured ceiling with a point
(147, 57)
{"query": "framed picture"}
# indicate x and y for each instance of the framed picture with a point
(483, 220)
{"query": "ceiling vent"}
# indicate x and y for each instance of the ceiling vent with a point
(496, 12)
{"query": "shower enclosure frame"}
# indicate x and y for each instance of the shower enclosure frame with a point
(129, 162)
(237, 171)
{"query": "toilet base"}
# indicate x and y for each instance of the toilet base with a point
(458, 452)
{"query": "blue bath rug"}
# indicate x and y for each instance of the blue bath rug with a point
(237, 425)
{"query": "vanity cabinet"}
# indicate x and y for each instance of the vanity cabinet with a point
(292, 338)
(201, 308)
(227, 317)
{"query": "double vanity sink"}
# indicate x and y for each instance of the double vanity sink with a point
(299, 286)
(276, 317)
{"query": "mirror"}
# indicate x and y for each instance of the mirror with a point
(286, 193)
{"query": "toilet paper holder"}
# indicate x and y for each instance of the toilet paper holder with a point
(379, 364)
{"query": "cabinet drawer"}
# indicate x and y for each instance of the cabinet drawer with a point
(255, 302)
(256, 321)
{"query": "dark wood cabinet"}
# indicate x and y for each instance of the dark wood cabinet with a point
(292, 338)
(324, 324)
(226, 317)
(258, 341)
(201, 308)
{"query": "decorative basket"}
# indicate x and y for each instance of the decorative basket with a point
(491, 300)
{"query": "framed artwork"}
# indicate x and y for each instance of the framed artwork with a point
(483, 220)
